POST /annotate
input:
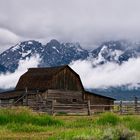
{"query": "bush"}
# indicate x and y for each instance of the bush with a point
(118, 133)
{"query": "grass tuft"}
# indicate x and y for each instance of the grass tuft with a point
(108, 119)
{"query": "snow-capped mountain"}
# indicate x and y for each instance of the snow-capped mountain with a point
(11, 57)
(52, 54)
(115, 51)
(55, 53)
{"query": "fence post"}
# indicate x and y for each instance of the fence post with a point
(89, 111)
(52, 109)
(121, 107)
(136, 104)
(26, 96)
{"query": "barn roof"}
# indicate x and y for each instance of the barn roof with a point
(38, 77)
(10, 94)
(99, 95)
(13, 94)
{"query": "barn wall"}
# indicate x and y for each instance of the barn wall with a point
(39, 100)
(64, 96)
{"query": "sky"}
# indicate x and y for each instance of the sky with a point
(84, 21)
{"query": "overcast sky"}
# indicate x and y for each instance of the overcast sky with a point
(84, 21)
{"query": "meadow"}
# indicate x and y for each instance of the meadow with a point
(22, 123)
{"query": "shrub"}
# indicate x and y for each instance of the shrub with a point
(118, 133)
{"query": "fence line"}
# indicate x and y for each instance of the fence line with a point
(89, 109)
(53, 107)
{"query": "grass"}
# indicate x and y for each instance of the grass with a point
(108, 119)
(22, 123)
(24, 120)
(132, 122)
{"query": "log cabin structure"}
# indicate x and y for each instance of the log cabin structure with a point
(39, 87)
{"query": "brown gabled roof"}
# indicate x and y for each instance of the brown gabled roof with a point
(14, 94)
(10, 94)
(38, 77)
(99, 95)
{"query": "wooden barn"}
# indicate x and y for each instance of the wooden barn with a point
(40, 88)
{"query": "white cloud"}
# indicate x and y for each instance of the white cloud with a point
(109, 74)
(7, 38)
(102, 76)
(86, 21)
(9, 80)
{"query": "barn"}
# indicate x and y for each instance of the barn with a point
(39, 87)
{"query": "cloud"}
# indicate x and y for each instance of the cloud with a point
(7, 38)
(102, 76)
(109, 74)
(84, 21)
(9, 80)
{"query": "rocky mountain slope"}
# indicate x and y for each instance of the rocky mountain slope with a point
(55, 53)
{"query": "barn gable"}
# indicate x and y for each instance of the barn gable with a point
(62, 77)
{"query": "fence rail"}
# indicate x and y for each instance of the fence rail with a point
(86, 108)
(90, 109)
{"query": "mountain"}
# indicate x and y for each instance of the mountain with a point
(115, 51)
(11, 57)
(53, 53)
(56, 53)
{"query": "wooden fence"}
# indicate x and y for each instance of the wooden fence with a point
(53, 107)
(89, 109)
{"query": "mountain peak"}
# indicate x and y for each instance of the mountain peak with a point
(54, 42)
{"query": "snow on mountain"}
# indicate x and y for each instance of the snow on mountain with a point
(115, 51)
(55, 53)
(52, 54)
(11, 57)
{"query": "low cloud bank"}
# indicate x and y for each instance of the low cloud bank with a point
(109, 74)
(102, 76)
(9, 80)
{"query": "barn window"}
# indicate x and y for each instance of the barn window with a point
(74, 100)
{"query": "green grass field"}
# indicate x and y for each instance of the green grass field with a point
(22, 123)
